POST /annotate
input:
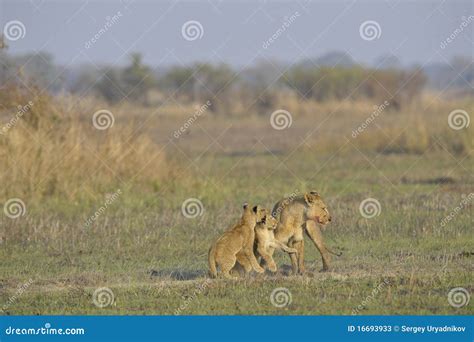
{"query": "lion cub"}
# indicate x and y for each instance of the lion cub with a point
(264, 244)
(239, 239)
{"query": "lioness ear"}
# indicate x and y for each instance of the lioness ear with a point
(255, 209)
(245, 205)
(310, 197)
(314, 193)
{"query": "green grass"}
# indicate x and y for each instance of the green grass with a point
(155, 260)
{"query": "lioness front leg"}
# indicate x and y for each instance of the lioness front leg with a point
(316, 236)
(299, 246)
(294, 258)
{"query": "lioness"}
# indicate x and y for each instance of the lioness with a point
(264, 241)
(298, 214)
(240, 238)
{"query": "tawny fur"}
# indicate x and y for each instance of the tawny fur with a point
(240, 238)
(300, 214)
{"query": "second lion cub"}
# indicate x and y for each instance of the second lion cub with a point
(265, 243)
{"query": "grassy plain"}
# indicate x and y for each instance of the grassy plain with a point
(154, 259)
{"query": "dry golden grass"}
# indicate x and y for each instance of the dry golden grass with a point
(326, 127)
(53, 151)
(415, 128)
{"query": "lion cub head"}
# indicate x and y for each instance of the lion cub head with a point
(249, 217)
(316, 208)
(270, 223)
(252, 216)
(260, 213)
(267, 221)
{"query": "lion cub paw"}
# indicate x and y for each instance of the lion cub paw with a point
(259, 269)
(272, 267)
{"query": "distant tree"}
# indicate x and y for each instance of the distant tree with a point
(412, 84)
(258, 88)
(335, 59)
(40, 69)
(179, 79)
(83, 79)
(213, 82)
(381, 85)
(322, 84)
(388, 61)
(463, 72)
(137, 79)
(110, 84)
(202, 82)
(3, 45)
(6, 64)
(302, 79)
(133, 81)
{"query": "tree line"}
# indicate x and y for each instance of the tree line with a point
(258, 86)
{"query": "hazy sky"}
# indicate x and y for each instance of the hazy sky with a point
(235, 31)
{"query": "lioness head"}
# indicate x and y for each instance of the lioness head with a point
(316, 208)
